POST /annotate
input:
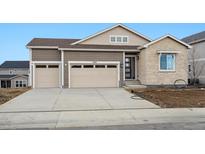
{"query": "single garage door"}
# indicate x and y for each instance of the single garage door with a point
(46, 76)
(90, 75)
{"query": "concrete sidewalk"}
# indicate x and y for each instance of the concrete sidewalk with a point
(76, 119)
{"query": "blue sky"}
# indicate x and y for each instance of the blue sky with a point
(14, 37)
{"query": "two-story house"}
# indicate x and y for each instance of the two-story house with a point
(14, 74)
(196, 56)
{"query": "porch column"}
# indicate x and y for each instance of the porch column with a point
(33, 74)
(30, 68)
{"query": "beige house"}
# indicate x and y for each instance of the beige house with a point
(114, 57)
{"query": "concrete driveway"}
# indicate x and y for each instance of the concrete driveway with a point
(106, 108)
(75, 100)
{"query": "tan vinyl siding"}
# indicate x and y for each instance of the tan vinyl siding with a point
(46, 55)
(90, 56)
(104, 38)
(152, 74)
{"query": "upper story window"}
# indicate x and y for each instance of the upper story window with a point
(12, 71)
(167, 62)
(118, 39)
(112, 39)
(125, 39)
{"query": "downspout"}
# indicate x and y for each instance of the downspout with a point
(30, 67)
(62, 68)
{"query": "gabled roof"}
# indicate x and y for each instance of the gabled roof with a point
(118, 25)
(167, 36)
(15, 64)
(198, 37)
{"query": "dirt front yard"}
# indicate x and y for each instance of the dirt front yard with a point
(8, 94)
(173, 98)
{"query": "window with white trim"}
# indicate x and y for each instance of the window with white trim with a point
(112, 39)
(21, 83)
(118, 39)
(167, 62)
(124, 39)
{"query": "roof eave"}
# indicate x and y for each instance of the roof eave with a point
(13, 77)
(44, 47)
(197, 41)
(163, 37)
(94, 49)
(18, 76)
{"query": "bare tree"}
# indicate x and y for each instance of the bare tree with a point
(195, 67)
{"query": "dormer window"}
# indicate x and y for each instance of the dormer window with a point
(112, 39)
(125, 39)
(118, 39)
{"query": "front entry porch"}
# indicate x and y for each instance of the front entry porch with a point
(131, 69)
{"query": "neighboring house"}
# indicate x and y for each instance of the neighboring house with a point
(111, 58)
(14, 74)
(197, 56)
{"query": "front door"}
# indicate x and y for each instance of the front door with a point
(130, 68)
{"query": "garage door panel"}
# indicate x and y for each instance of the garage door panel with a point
(46, 77)
(94, 77)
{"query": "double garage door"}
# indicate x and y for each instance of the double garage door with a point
(94, 75)
(80, 75)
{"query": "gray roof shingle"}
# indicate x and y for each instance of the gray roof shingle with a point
(195, 37)
(66, 43)
(50, 42)
(15, 64)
